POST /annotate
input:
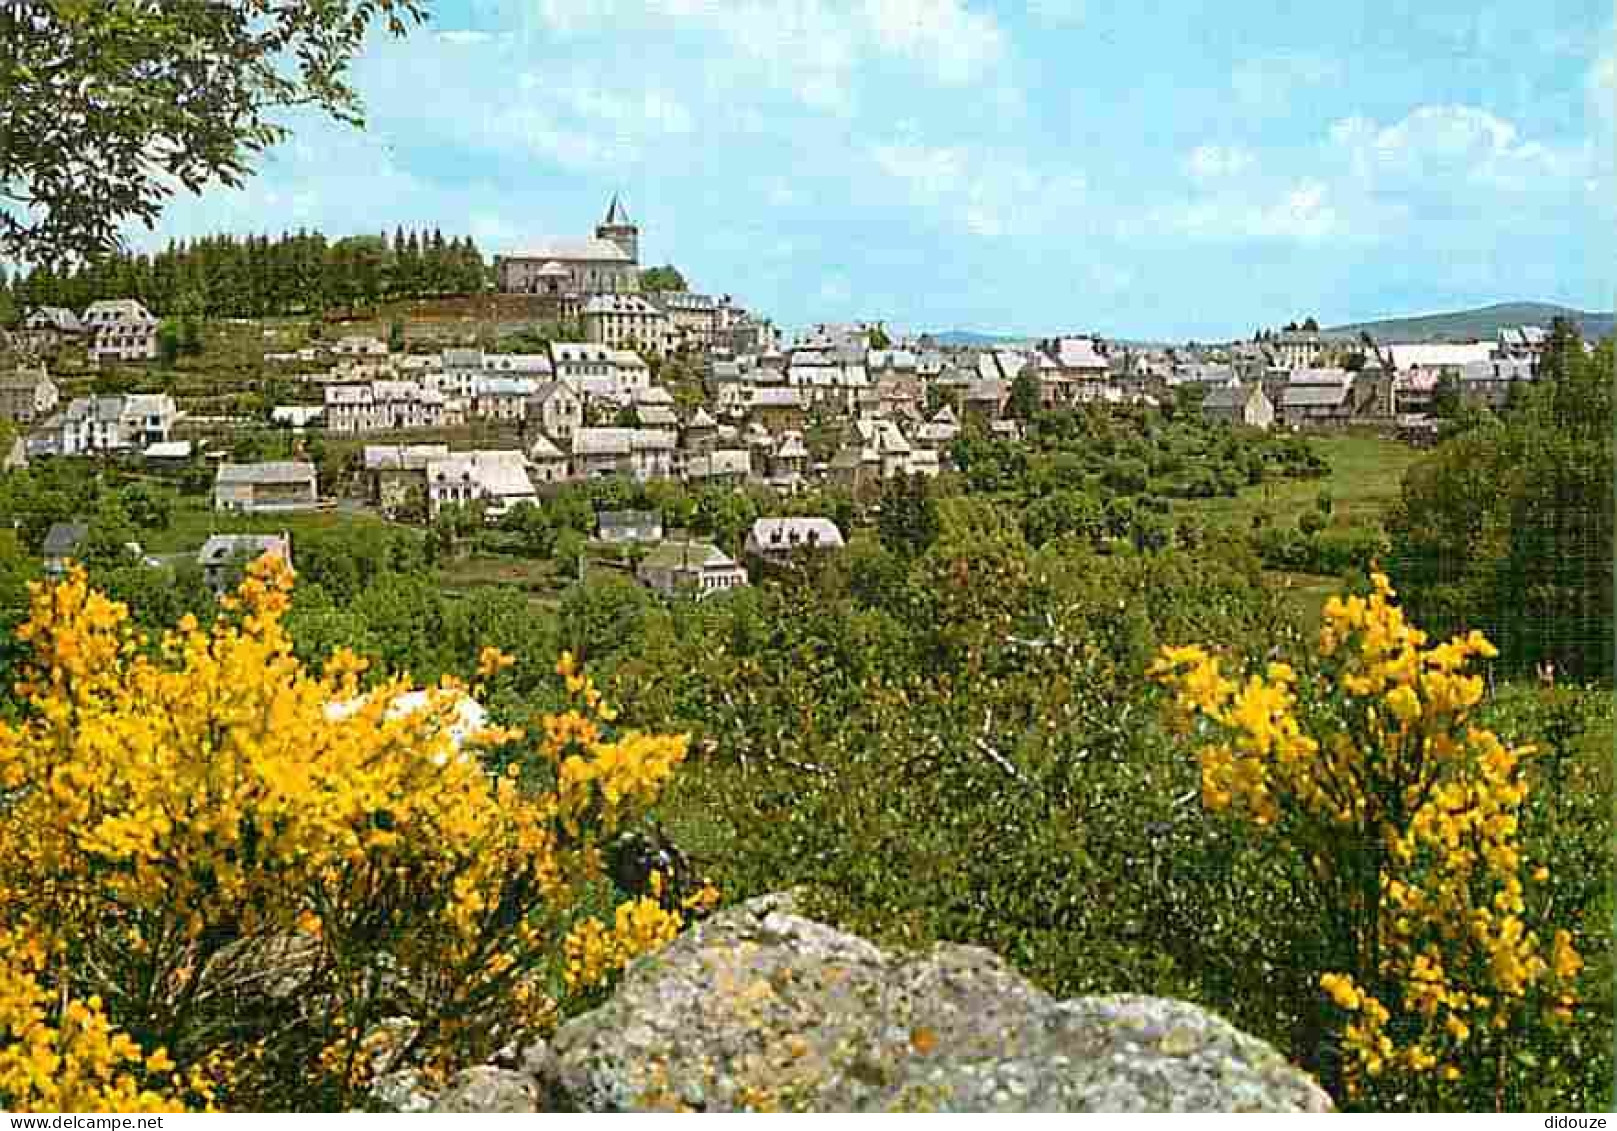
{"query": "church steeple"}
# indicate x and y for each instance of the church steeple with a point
(617, 216)
(621, 230)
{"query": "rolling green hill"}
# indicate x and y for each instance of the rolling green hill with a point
(1483, 322)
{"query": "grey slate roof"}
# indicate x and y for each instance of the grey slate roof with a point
(222, 548)
(63, 537)
(278, 471)
(587, 250)
(1314, 396)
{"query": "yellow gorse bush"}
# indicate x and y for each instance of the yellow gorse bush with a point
(1407, 818)
(173, 810)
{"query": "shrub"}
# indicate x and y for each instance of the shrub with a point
(185, 822)
(1439, 964)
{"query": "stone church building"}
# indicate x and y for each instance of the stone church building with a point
(608, 263)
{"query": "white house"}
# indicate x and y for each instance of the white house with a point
(497, 478)
(121, 329)
(777, 539)
(255, 488)
(108, 424)
(642, 453)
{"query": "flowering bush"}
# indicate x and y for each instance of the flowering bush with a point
(1438, 961)
(219, 872)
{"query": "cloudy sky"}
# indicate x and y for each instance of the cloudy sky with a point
(1157, 169)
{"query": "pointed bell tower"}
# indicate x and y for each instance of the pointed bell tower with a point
(618, 228)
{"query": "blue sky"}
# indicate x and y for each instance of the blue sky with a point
(1168, 170)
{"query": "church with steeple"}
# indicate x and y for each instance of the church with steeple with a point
(572, 268)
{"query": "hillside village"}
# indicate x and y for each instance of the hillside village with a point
(798, 636)
(608, 379)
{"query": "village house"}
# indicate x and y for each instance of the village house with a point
(61, 541)
(627, 322)
(383, 405)
(725, 467)
(789, 462)
(396, 474)
(114, 423)
(562, 268)
(359, 345)
(546, 461)
(591, 369)
(985, 400)
(16, 457)
(1406, 356)
(224, 557)
(1489, 383)
(634, 375)
(755, 336)
(938, 433)
(654, 407)
(699, 569)
(701, 432)
(694, 317)
(535, 365)
(777, 408)
(877, 451)
(168, 453)
(557, 409)
(1077, 362)
(1317, 405)
(498, 479)
(778, 539)
(257, 488)
(458, 372)
(297, 417)
(1413, 392)
(27, 395)
(47, 327)
(1237, 404)
(503, 399)
(121, 329)
(622, 527)
(1521, 342)
(640, 453)
(1299, 349)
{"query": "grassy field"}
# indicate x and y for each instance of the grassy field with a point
(536, 579)
(191, 522)
(1365, 475)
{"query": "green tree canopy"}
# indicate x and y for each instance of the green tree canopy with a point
(105, 105)
(664, 278)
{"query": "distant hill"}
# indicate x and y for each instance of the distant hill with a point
(1471, 325)
(972, 338)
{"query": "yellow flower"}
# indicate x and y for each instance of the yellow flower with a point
(1404, 703)
(491, 661)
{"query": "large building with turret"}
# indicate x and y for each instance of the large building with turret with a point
(607, 263)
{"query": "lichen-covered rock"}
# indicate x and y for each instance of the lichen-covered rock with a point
(487, 1089)
(759, 1008)
(402, 1092)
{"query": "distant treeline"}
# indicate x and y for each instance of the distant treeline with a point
(258, 276)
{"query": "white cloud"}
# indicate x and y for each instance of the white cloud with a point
(1446, 145)
(1302, 212)
(1215, 162)
(985, 193)
(464, 37)
(955, 43)
(812, 48)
